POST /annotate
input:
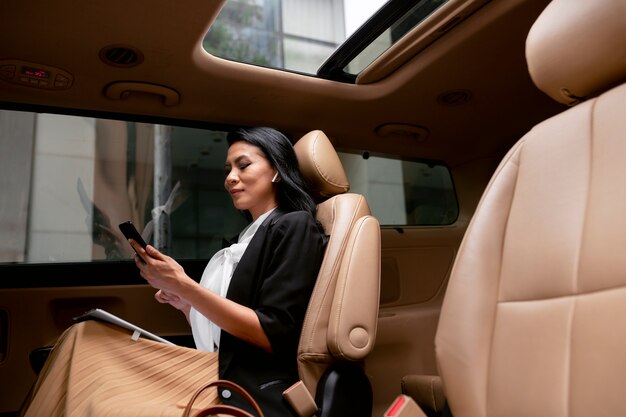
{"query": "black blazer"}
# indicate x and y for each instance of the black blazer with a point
(275, 277)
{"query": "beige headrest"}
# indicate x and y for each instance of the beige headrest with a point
(577, 48)
(320, 165)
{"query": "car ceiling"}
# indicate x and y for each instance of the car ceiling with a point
(481, 58)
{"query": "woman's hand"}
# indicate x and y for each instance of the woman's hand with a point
(174, 300)
(165, 274)
(161, 271)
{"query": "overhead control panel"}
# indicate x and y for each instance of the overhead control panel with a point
(34, 75)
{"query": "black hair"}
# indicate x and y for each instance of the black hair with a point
(292, 191)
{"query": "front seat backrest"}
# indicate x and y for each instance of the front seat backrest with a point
(532, 323)
(340, 325)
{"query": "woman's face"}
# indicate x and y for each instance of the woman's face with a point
(249, 179)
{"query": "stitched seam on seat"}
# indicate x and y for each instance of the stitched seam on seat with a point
(513, 159)
(432, 394)
(340, 309)
(568, 400)
(335, 266)
(556, 297)
(316, 290)
(338, 265)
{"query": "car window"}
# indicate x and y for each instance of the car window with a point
(296, 35)
(314, 37)
(403, 193)
(69, 181)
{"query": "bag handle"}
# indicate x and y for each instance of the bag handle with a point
(221, 408)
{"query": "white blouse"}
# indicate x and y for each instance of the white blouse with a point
(216, 277)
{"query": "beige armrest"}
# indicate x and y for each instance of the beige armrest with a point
(426, 390)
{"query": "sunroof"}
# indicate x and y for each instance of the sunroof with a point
(333, 39)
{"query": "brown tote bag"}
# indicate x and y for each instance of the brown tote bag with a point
(222, 409)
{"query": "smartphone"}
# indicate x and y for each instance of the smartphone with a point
(130, 232)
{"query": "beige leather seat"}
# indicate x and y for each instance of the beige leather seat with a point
(533, 321)
(340, 326)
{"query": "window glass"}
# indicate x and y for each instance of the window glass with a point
(300, 35)
(303, 55)
(69, 181)
(296, 35)
(403, 193)
(394, 33)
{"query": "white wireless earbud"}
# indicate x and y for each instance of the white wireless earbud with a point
(275, 179)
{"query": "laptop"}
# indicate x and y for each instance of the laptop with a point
(102, 315)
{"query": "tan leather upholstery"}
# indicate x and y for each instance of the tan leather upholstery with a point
(565, 61)
(426, 390)
(320, 165)
(532, 323)
(341, 320)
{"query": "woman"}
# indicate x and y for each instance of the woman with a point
(251, 301)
